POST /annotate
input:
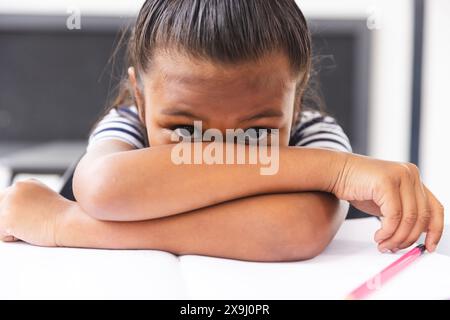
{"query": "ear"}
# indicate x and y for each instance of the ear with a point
(137, 91)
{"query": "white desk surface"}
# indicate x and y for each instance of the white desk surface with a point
(65, 273)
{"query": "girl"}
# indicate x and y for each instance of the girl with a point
(231, 64)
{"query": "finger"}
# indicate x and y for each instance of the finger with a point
(423, 218)
(408, 220)
(9, 239)
(391, 209)
(436, 225)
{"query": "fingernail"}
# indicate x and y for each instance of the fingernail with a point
(384, 250)
(433, 247)
(394, 250)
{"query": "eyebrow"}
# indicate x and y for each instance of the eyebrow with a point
(269, 113)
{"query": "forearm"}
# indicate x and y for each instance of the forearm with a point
(262, 228)
(144, 177)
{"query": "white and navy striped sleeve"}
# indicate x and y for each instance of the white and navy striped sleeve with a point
(319, 131)
(121, 123)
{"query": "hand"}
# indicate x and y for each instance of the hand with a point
(395, 192)
(30, 211)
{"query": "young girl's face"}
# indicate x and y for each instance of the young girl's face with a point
(180, 90)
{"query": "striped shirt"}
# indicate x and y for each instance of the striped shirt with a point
(313, 130)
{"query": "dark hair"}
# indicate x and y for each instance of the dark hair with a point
(222, 31)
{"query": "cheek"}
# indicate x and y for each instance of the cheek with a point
(159, 136)
(285, 129)
(156, 134)
(285, 136)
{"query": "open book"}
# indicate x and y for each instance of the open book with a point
(351, 259)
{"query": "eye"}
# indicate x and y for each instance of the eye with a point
(184, 131)
(257, 134)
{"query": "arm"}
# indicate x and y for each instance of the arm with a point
(146, 177)
(265, 228)
(392, 190)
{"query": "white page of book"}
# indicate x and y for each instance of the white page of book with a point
(29, 272)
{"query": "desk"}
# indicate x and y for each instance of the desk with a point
(62, 273)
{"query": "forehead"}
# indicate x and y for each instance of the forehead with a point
(177, 79)
(176, 69)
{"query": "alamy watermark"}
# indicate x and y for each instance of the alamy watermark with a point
(73, 21)
(374, 18)
(238, 147)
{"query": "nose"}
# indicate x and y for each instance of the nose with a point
(222, 123)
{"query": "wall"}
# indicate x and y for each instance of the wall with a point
(435, 136)
(390, 72)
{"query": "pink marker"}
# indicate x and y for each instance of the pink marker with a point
(386, 274)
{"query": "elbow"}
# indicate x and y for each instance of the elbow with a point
(95, 191)
(305, 235)
(98, 204)
(301, 247)
(312, 248)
